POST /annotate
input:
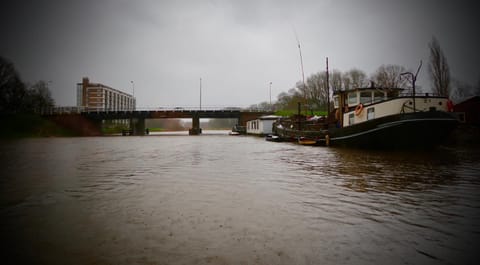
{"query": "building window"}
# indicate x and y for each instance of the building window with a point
(370, 113)
(351, 119)
(79, 95)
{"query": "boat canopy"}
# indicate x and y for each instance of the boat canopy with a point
(365, 96)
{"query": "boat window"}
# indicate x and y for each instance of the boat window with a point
(370, 113)
(352, 98)
(366, 97)
(392, 94)
(336, 102)
(351, 119)
(378, 96)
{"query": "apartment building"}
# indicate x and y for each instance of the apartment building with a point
(96, 96)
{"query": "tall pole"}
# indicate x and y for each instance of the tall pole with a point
(133, 88)
(328, 94)
(133, 94)
(303, 73)
(270, 94)
(301, 65)
(200, 93)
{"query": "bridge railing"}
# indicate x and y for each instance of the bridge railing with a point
(78, 110)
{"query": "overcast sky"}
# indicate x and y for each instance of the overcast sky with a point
(236, 47)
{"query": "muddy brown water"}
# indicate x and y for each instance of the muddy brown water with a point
(219, 199)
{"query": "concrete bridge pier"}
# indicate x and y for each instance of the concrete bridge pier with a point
(137, 125)
(195, 130)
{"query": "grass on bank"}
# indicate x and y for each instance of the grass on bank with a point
(288, 113)
(30, 125)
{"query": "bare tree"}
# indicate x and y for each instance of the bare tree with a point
(288, 100)
(302, 88)
(16, 98)
(347, 83)
(358, 78)
(354, 78)
(12, 90)
(439, 70)
(38, 97)
(317, 92)
(388, 76)
(336, 81)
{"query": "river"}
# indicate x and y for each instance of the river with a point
(219, 199)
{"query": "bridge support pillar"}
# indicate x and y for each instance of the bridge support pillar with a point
(137, 125)
(195, 130)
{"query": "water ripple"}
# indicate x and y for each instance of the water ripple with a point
(183, 200)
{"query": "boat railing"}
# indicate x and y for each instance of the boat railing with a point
(410, 94)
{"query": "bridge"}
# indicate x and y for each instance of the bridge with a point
(89, 121)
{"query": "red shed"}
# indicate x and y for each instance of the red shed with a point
(470, 110)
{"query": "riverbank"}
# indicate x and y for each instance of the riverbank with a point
(30, 125)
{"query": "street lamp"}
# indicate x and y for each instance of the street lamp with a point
(270, 94)
(200, 93)
(133, 88)
(133, 94)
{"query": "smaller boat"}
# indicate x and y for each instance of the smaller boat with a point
(233, 133)
(273, 138)
(306, 141)
(237, 129)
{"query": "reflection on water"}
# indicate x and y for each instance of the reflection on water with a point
(218, 199)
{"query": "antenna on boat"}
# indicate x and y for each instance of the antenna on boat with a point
(414, 78)
(301, 61)
(418, 70)
(328, 94)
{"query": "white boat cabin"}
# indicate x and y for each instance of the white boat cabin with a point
(363, 104)
(261, 126)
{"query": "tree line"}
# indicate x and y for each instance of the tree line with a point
(314, 93)
(19, 97)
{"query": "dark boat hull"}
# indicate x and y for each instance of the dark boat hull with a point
(402, 131)
(292, 135)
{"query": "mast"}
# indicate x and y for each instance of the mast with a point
(301, 65)
(200, 93)
(328, 94)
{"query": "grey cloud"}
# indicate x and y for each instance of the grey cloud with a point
(236, 47)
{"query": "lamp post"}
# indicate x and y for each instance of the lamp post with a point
(133, 88)
(270, 94)
(133, 94)
(200, 93)
(49, 82)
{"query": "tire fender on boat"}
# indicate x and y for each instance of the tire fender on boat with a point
(359, 109)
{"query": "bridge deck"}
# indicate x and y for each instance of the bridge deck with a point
(160, 114)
